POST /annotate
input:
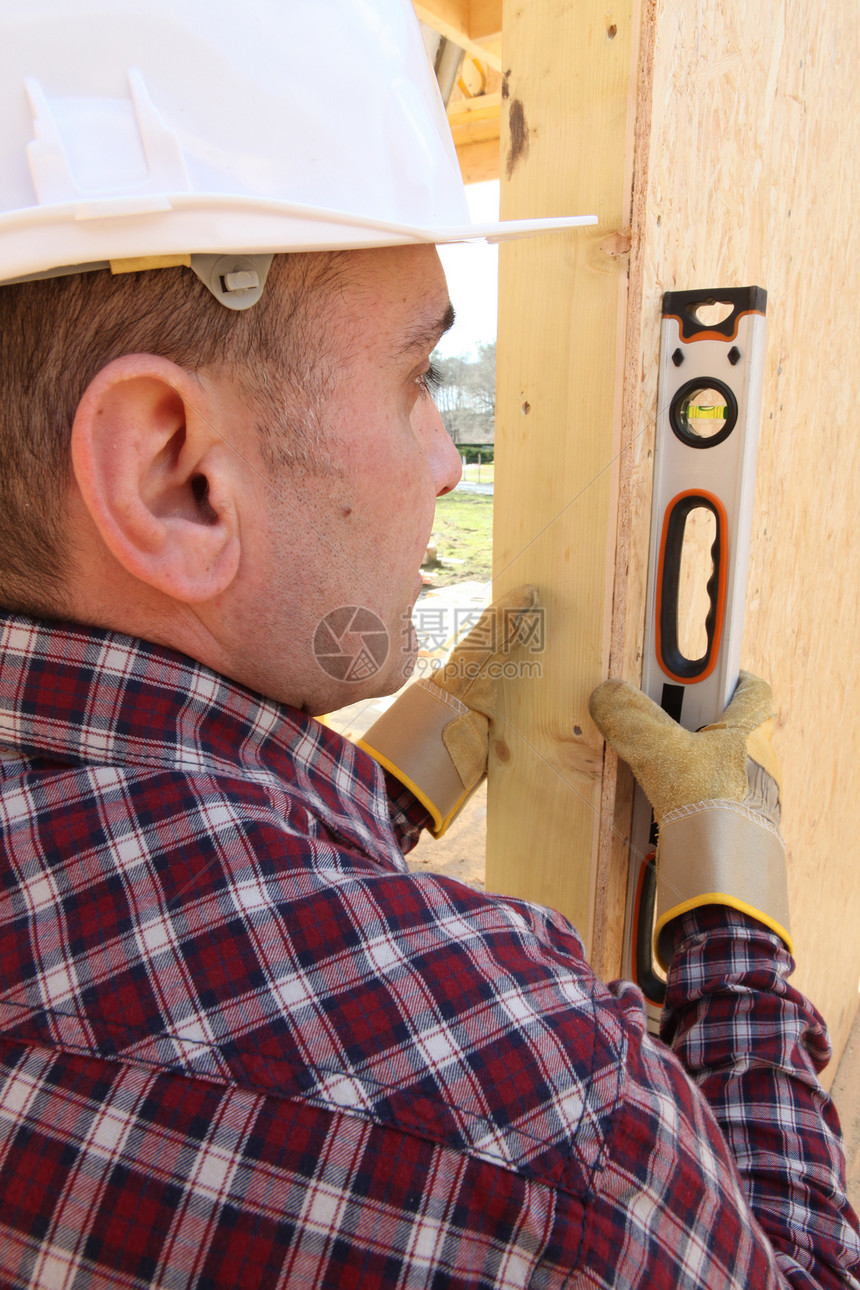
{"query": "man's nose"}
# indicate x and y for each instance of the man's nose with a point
(441, 451)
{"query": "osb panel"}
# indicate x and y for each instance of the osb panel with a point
(752, 178)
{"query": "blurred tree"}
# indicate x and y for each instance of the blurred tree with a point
(466, 395)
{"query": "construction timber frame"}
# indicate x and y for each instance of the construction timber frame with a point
(717, 141)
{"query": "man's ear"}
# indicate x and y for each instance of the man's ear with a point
(157, 478)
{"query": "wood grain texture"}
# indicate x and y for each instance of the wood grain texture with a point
(475, 120)
(752, 176)
(475, 127)
(479, 162)
(568, 100)
(485, 19)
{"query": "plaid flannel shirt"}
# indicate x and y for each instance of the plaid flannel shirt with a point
(242, 1046)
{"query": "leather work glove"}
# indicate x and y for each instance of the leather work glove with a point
(715, 794)
(435, 737)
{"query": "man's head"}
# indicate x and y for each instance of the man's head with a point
(157, 444)
(221, 482)
(55, 335)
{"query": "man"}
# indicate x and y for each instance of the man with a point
(241, 1045)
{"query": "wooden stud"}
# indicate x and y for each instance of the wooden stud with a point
(567, 138)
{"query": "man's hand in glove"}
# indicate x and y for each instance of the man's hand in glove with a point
(715, 795)
(435, 737)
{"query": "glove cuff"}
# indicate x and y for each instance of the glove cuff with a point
(408, 741)
(720, 853)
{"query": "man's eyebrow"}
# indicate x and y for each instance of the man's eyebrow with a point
(423, 334)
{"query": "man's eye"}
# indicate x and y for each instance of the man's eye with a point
(430, 381)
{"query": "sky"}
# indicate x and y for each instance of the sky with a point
(472, 269)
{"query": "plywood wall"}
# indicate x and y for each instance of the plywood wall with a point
(718, 141)
(749, 173)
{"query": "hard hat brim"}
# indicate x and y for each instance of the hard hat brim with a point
(95, 232)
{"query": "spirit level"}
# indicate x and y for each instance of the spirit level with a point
(709, 401)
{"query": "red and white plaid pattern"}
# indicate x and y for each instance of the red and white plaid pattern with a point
(241, 1046)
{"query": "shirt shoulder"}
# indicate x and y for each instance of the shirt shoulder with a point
(222, 929)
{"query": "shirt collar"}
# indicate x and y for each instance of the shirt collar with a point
(84, 695)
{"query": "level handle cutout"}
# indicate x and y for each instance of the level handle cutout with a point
(712, 313)
(691, 586)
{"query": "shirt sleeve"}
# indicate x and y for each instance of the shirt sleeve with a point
(755, 1046)
(408, 815)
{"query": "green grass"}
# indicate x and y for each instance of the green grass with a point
(463, 530)
(482, 474)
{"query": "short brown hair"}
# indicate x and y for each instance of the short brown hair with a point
(57, 333)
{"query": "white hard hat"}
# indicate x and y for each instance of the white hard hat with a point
(135, 132)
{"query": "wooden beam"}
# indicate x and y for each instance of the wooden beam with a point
(477, 33)
(567, 138)
(475, 125)
(490, 51)
(475, 120)
(479, 162)
(450, 17)
(485, 19)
